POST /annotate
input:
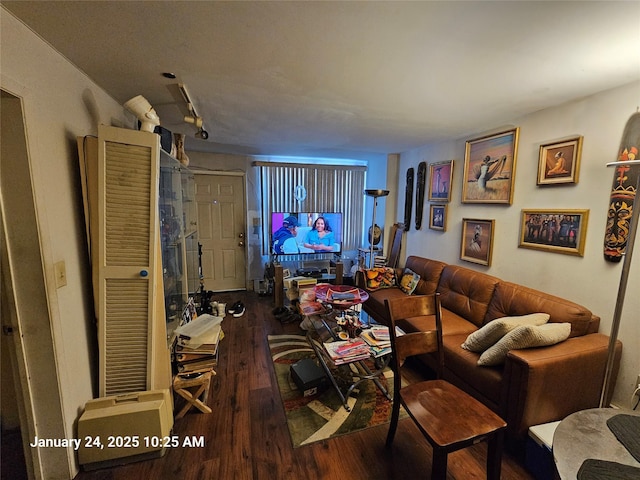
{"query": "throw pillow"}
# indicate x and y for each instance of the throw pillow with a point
(525, 336)
(493, 331)
(380, 277)
(409, 281)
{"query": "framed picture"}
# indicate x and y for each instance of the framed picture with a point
(490, 167)
(559, 231)
(477, 241)
(438, 217)
(440, 178)
(559, 162)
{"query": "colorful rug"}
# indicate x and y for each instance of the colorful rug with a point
(322, 416)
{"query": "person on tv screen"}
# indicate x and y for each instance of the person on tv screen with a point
(284, 239)
(320, 238)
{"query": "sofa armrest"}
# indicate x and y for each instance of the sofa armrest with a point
(546, 384)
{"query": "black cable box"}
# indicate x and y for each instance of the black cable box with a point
(309, 272)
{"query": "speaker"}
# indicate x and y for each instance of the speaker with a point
(166, 138)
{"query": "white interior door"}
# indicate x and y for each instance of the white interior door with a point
(221, 230)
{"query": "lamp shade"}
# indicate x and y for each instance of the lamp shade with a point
(376, 193)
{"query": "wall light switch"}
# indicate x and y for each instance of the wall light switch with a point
(61, 274)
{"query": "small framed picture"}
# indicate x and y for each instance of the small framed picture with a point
(438, 217)
(477, 241)
(489, 168)
(440, 178)
(559, 162)
(286, 273)
(559, 231)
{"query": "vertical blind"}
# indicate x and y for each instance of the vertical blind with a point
(329, 188)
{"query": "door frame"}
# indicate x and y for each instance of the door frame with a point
(245, 200)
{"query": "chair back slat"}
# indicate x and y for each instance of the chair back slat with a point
(415, 343)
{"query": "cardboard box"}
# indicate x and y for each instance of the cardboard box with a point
(309, 377)
(121, 429)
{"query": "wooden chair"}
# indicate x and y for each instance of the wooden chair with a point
(449, 418)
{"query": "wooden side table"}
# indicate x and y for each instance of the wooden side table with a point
(191, 389)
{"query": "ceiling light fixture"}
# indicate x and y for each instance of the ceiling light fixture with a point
(193, 118)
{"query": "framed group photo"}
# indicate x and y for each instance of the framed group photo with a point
(489, 168)
(440, 178)
(559, 231)
(438, 217)
(559, 162)
(477, 241)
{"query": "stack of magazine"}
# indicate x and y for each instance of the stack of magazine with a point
(377, 337)
(196, 345)
(348, 351)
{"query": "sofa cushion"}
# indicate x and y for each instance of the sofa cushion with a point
(525, 336)
(429, 271)
(466, 292)
(408, 281)
(452, 324)
(511, 299)
(461, 368)
(493, 331)
(374, 306)
(380, 277)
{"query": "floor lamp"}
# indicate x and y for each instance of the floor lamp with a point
(624, 276)
(375, 194)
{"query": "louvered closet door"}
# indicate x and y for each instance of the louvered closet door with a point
(128, 232)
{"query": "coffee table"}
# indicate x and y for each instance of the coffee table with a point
(325, 331)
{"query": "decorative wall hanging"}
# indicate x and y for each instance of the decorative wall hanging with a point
(300, 193)
(559, 231)
(440, 178)
(438, 217)
(421, 185)
(490, 167)
(623, 192)
(477, 241)
(559, 162)
(408, 200)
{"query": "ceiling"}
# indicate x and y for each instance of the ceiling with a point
(344, 79)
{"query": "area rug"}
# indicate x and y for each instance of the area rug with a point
(322, 416)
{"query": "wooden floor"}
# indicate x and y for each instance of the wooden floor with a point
(246, 436)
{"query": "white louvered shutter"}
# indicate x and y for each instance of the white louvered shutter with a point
(128, 165)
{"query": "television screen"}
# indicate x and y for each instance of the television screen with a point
(306, 232)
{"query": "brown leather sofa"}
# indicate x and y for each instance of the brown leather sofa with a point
(534, 385)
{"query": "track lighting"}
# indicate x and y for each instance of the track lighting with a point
(193, 118)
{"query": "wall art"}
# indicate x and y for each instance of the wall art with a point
(421, 185)
(477, 241)
(438, 217)
(440, 178)
(559, 162)
(489, 168)
(559, 231)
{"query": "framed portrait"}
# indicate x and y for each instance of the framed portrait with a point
(438, 217)
(559, 231)
(559, 162)
(440, 178)
(490, 167)
(477, 241)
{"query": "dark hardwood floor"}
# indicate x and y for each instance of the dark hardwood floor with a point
(247, 438)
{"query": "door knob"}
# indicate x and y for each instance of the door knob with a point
(241, 235)
(241, 244)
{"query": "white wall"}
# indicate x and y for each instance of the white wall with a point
(589, 280)
(60, 103)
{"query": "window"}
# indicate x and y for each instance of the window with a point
(329, 188)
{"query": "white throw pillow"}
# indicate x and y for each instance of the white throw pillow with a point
(525, 336)
(493, 331)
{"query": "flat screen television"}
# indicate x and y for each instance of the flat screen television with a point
(306, 232)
